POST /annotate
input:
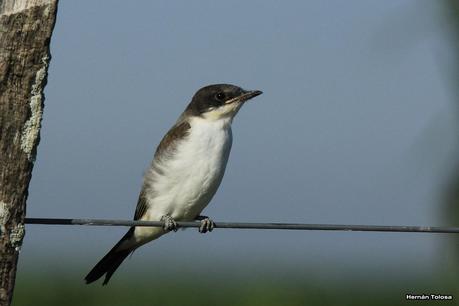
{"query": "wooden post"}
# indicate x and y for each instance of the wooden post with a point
(25, 32)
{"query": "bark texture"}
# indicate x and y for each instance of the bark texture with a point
(25, 31)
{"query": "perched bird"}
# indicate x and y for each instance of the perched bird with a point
(186, 171)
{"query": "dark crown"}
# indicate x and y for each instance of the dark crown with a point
(212, 96)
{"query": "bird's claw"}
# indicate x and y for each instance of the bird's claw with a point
(207, 225)
(169, 223)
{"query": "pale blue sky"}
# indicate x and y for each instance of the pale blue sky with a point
(355, 126)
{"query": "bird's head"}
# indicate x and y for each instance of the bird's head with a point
(219, 101)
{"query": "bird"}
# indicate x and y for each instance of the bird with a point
(185, 173)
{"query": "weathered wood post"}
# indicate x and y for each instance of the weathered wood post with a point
(25, 32)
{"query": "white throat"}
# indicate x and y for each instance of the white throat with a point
(223, 113)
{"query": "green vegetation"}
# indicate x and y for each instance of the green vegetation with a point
(69, 290)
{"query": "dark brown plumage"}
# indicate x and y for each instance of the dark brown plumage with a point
(177, 132)
(110, 262)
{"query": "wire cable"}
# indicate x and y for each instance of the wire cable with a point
(251, 225)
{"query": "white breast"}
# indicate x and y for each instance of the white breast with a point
(189, 180)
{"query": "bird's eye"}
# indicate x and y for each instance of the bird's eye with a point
(220, 96)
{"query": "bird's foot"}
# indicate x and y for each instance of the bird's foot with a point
(169, 223)
(207, 225)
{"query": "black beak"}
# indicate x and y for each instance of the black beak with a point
(246, 95)
(251, 94)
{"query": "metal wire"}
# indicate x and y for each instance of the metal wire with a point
(246, 225)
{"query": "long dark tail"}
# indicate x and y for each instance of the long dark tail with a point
(110, 262)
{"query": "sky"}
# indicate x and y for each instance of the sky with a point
(356, 125)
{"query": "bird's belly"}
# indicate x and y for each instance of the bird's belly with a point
(192, 177)
(194, 191)
(191, 189)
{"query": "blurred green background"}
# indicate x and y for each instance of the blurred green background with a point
(213, 288)
(358, 124)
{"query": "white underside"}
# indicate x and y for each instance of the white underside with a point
(184, 184)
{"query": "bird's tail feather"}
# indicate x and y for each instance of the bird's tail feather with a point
(111, 261)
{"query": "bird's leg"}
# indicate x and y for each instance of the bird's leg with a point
(169, 223)
(207, 225)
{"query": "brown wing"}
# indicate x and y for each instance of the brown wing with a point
(141, 206)
(177, 132)
(167, 144)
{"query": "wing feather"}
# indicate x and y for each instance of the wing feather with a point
(166, 146)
